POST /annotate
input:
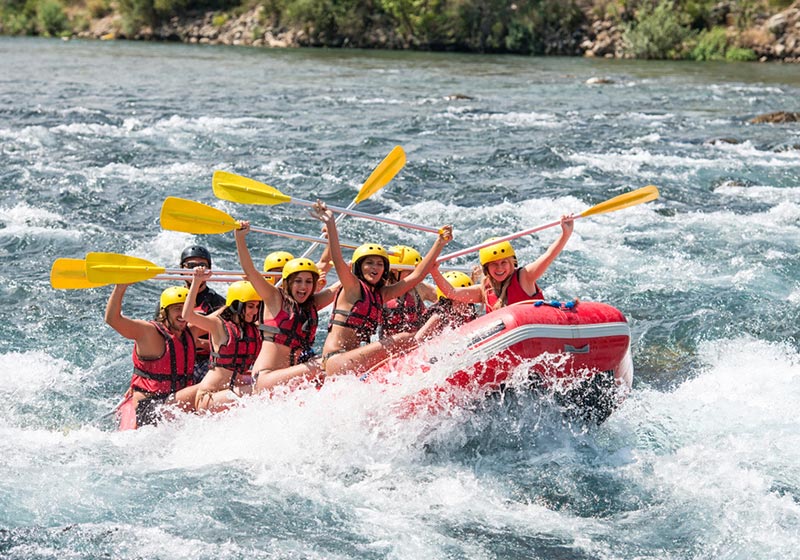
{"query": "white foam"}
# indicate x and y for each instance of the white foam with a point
(164, 248)
(27, 373)
(761, 193)
(634, 160)
(23, 219)
(512, 118)
(371, 101)
(569, 172)
(717, 450)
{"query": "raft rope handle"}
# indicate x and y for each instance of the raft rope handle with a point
(568, 305)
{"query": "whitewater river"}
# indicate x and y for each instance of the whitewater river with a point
(703, 459)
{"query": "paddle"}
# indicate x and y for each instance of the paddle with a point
(188, 216)
(114, 268)
(70, 274)
(639, 196)
(379, 178)
(235, 188)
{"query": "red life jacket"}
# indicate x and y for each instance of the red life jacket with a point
(403, 314)
(514, 293)
(172, 371)
(240, 350)
(296, 330)
(365, 316)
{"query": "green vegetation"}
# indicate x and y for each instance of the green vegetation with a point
(51, 20)
(711, 45)
(219, 20)
(653, 29)
(657, 32)
(714, 44)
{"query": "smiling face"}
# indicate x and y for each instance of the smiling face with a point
(301, 286)
(251, 311)
(501, 269)
(174, 318)
(372, 269)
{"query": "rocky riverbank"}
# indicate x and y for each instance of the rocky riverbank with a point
(771, 37)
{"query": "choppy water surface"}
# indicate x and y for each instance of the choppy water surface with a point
(700, 462)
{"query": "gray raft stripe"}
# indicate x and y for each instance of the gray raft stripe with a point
(566, 332)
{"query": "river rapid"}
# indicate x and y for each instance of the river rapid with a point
(702, 461)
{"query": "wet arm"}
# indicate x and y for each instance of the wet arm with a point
(346, 277)
(470, 294)
(131, 329)
(530, 273)
(205, 322)
(424, 267)
(267, 291)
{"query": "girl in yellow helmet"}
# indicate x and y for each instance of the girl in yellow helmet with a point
(446, 313)
(406, 313)
(365, 279)
(289, 314)
(235, 344)
(504, 282)
(354, 318)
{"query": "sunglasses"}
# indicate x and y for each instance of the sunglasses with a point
(194, 264)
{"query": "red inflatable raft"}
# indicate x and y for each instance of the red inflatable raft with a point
(578, 350)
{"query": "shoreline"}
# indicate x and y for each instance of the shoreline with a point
(770, 37)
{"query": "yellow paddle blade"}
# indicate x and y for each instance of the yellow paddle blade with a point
(179, 214)
(229, 186)
(70, 274)
(645, 194)
(385, 172)
(113, 268)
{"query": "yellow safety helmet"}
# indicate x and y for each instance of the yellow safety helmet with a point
(496, 252)
(276, 260)
(300, 265)
(455, 278)
(242, 291)
(403, 254)
(173, 295)
(367, 250)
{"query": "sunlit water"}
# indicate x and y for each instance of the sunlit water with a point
(701, 461)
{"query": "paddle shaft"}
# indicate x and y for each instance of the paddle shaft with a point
(379, 178)
(301, 237)
(357, 214)
(316, 244)
(625, 200)
(496, 240)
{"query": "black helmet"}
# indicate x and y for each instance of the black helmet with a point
(196, 251)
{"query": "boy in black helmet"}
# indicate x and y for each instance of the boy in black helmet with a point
(207, 302)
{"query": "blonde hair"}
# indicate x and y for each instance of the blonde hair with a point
(499, 288)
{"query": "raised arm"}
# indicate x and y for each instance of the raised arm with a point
(530, 273)
(421, 271)
(346, 277)
(427, 292)
(268, 292)
(210, 323)
(470, 294)
(132, 329)
(325, 263)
